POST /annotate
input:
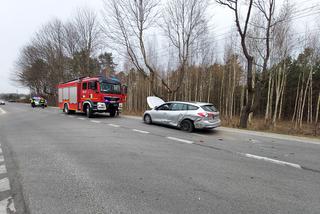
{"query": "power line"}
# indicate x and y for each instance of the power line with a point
(302, 13)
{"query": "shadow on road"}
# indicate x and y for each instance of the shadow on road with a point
(96, 115)
(107, 116)
(196, 131)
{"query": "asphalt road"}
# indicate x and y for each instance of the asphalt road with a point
(61, 164)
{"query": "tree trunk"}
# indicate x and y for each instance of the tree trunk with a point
(282, 98)
(310, 112)
(267, 114)
(247, 108)
(209, 87)
(221, 94)
(317, 115)
(296, 102)
(279, 82)
(242, 99)
(233, 89)
(304, 98)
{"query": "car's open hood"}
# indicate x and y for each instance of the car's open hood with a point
(154, 101)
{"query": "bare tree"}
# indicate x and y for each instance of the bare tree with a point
(234, 5)
(29, 70)
(87, 32)
(126, 23)
(266, 25)
(41, 63)
(71, 39)
(281, 49)
(184, 23)
(49, 43)
(267, 8)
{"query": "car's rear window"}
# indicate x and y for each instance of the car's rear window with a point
(210, 108)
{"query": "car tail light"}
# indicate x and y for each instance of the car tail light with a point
(202, 114)
(211, 115)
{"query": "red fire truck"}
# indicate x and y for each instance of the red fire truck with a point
(92, 94)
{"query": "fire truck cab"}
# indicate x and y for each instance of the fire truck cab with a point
(92, 94)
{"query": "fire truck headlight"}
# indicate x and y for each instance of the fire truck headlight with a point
(101, 106)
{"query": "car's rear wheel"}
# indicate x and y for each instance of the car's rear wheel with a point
(187, 126)
(147, 119)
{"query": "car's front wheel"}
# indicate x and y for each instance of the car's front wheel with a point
(187, 126)
(147, 119)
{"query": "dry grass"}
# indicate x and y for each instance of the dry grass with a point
(282, 127)
(133, 113)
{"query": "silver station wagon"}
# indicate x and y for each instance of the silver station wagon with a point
(185, 115)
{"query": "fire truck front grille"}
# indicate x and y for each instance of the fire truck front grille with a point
(115, 99)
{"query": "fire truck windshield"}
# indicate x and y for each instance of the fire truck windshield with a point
(110, 88)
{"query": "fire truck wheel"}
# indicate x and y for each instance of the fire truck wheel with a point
(66, 109)
(113, 112)
(89, 112)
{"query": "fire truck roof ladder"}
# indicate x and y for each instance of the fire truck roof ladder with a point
(79, 78)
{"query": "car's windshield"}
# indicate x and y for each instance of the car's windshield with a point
(210, 108)
(110, 88)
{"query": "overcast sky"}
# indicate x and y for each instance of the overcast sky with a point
(20, 19)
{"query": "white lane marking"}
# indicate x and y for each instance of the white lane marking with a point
(114, 125)
(80, 118)
(3, 169)
(1, 158)
(2, 111)
(70, 116)
(95, 121)
(283, 163)
(4, 184)
(180, 140)
(6, 205)
(141, 131)
(1, 150)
